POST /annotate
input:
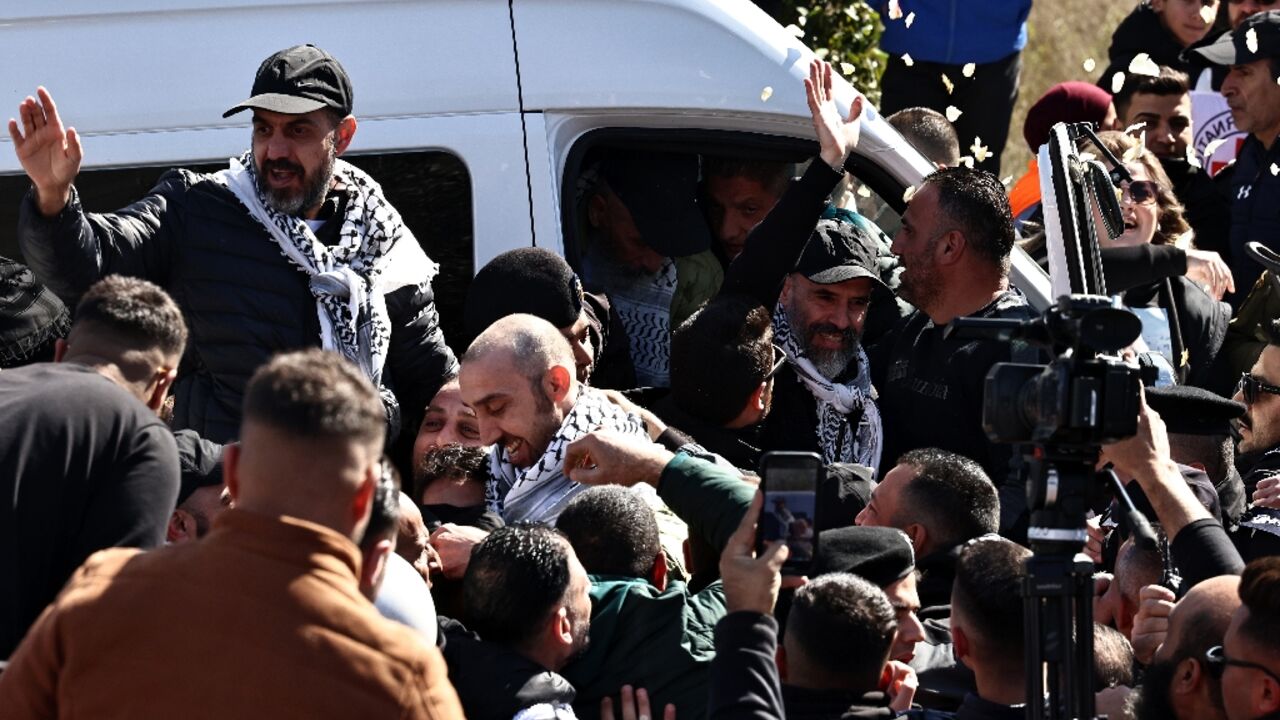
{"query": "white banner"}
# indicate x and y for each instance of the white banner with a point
(1211, 121)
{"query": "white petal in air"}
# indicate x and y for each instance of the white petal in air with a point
(1212, 147)
(953, 113)
(895, 10)
(1142, 64)
(765, 94)
(980, 152)
(909, 193)
(1090, 64)
(911, 17)
(1251, 40)
(1207, 13)
(906, 60)
(946, 83)
(1117, 82)
(968, 69)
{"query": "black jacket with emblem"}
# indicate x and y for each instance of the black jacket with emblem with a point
(1254, 193)
(242, 299)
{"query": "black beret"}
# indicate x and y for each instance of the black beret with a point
(882, 555)
(524, 280)
(1193, 411)
(200, 462)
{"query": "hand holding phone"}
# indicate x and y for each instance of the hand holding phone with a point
(789, 482)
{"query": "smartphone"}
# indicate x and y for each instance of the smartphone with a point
(789, 482)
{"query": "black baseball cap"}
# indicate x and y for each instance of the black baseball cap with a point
(660, 190)
(838, 251)
(299, 80)
(1261, 31)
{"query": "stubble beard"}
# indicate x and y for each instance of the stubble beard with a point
(314, 186)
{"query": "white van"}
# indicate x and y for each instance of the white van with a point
(475, 115)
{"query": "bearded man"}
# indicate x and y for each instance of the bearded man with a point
(289, 247)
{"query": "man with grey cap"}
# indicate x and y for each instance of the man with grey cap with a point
(1252, 52)
(289, 247)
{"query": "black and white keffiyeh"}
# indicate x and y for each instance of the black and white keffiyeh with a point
(836, 402)
(539, 492)
(375, 254)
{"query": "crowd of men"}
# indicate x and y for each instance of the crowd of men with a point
(218, 506)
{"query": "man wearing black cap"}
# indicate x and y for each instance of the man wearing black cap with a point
(200, 496)
(649, 248)
(1251, 91)
(287, 248)
(818, 277)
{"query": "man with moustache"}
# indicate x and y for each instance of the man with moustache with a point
(1259, 430)
(954, 247)
(287, 248)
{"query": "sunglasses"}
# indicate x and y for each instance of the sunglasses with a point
(1251, 388)
(1216, 661)
(779, 359)
(1140, 192)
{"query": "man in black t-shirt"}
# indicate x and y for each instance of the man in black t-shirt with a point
(954, 247)
(85, 462)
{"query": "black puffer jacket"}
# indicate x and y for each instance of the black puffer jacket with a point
(243, 301)
(1142, 32)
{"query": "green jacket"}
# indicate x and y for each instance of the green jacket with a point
(662, 641)
(698, 279)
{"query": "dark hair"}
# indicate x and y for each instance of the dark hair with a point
(612, 530)
(951, 495)
(451, 461)
(845, 625)
(384, 517)
(930, 132)
(1112, 658)
(1168, 82)
(1143, 565)
(315, 394)
(719, 356)
(988, 592)
(978, 205)
(1260, 595)
(135, 312)
(517, 576)
(772, 175)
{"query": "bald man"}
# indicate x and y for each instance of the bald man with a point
(520, 377)
(1177, 683)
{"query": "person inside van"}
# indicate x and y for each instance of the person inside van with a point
(289, 247)
(648, 248)
(739, 193)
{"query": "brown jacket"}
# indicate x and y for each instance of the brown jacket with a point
(260, 619)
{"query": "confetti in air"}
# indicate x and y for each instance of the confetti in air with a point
(1090, 64)
(795, 30)
(1117, 83)
(953, 113)
(1207, 13)
(1132, 154)
(1251, 40)
(1275, 169)
(1192, 160)
(1135, 127)
(911, 17)
(895, 10)
(1142, 64)
(967, 161)
(765, 94)
(846, 69)
(1212, 147)
(1006, 180)
(968, 69)
(906, 60)
(909, 193)
(980, 152)
(864, 191)
(946, 83)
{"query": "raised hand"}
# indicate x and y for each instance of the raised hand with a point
(837, 135)
(635, 706)
(49, 154)
(1151, 624)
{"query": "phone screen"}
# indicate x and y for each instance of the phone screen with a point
(790, 483)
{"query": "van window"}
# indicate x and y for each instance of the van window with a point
(430, 189)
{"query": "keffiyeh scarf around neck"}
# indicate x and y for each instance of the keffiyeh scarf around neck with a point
(375, 254)
(539, 492)
(839, 441)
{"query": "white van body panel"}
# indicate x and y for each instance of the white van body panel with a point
(145, 82)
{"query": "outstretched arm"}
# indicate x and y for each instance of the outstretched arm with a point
(774, 246)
